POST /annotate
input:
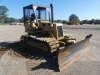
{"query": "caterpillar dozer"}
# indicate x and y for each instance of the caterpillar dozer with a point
(47, 35)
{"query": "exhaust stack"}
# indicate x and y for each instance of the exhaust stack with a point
(52, 15)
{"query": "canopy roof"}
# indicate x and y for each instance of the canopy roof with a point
(38, 7)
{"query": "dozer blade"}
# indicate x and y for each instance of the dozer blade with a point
(67, 55)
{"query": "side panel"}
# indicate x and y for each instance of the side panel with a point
(58, 31)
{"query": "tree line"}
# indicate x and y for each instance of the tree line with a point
(4, 16)
(7, 20)
(92, 21)
(73, 19)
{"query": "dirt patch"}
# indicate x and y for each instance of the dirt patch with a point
(31, 64)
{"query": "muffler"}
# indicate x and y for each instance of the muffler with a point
(67, 55)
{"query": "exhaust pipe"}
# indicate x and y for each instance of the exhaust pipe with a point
(67, 55)
(52, 15)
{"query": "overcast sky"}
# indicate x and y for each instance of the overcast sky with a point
(84, 9)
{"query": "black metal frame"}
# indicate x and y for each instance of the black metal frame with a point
(39, 7)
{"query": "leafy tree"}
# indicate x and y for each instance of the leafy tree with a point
(93, 21)
(64, 21)
(7, 20)
(13, 19)
(59, 21)
(74, 19)
(84, 21)
(21, 20)
(3, 13)
(97, 21)
(10, 19)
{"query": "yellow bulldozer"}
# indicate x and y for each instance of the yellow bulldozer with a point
(47, 35)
